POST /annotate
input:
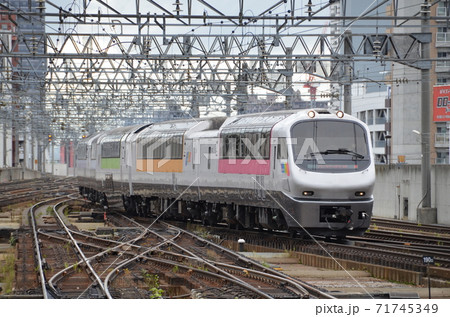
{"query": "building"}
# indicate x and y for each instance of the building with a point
(370, 95)
(406, 93)
(373, 108)
(9, 39)
(24, 129)
(441, 50)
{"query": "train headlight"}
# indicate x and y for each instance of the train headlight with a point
(360, 194)
(311, 114)
(340, 114)
(308, 193)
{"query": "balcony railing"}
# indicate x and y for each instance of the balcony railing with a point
(441, 139)
(442, 64)
(380, 120)
(380, 143)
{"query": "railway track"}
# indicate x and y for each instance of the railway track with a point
(139, 261)
(186, 253)
(433, 230)
(397, 253)
(34, 190)
(161, 261)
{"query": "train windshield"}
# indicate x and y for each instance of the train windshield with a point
(330, 146)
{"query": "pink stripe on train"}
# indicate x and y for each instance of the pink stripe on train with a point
(244, 166)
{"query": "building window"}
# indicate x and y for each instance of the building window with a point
(441, 10)
(443, 63)
(380, 116)
(442, 157)
(442, 35)
(370, 117)
(443, 80)
(362, 116)
(441, 136)
(380, 139)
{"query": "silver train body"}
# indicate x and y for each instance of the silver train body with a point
(308, 172)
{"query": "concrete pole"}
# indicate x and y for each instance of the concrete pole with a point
(425, 112)
(53, 156)
(347, 74)
(289, 71)
(426, 214)
(5, 140)
(195, 113)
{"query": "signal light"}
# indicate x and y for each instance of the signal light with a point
(308, 193)
(360, 194)
(49, 138)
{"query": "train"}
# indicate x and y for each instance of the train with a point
(307, 172)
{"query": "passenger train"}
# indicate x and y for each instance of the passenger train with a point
(309, 172)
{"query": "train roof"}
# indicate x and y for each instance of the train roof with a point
(184, 126)
(91, 138)
(265, 119)
(126, 129)
(189, 126)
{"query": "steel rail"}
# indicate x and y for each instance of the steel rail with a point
(273, 272)
(281, 279)
(107, 250)
(294, 285)
(79, 251)
(207, 263)
(37, 247)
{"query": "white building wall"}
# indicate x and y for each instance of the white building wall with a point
(8, 140)
(398, 187)
(2, 163)
(406, 99)
(406, 95)
(363, 103)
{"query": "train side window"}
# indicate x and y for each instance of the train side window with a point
(179, 147)
(256, 152)
(82, 151)
(245, 151)
(110, 149)
(237, 139)
(282, 149)
(225, 146)
(209, 157)
(265, 146)
(274, 155)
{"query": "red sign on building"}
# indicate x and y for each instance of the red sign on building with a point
(441, 104)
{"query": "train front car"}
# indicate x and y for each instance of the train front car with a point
(327, 173)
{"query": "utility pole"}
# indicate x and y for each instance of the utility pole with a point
(289, 73)
(426, 214)
(195, 110)
(348, 73)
